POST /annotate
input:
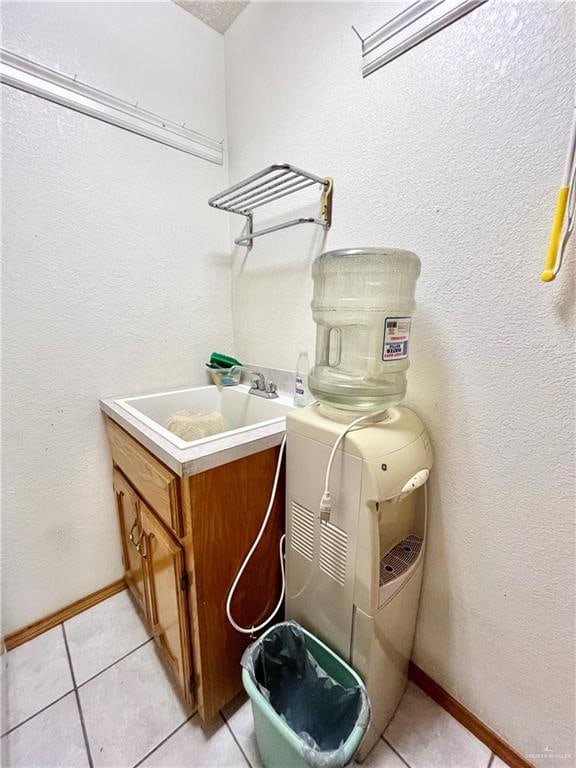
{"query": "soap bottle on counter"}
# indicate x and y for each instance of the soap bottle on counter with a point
(302, 396)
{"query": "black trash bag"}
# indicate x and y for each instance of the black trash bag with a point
(320, 710)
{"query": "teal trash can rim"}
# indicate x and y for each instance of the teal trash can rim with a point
(344, 754)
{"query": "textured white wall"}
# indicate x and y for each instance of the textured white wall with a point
(454, 150)
(116, 278)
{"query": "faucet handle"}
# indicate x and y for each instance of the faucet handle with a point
(272, 387)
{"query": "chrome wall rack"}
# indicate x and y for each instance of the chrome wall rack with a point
(268, 185)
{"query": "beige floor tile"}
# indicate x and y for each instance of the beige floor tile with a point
(129, 709)
(51, 739)
(38, 673)
(428, 737)
(210, 746)
(103, 634)
(239, 716)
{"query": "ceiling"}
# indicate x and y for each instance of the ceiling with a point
(218, 14)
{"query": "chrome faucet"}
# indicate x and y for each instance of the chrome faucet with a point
(259, 386)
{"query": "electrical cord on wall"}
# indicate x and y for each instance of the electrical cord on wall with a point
(253, 629)
(326, 500)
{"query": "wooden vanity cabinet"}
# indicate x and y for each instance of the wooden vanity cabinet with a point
(183, 541)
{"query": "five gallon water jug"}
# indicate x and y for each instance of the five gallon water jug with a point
(362, 306)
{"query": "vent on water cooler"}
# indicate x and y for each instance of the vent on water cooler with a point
(395, 562)
(302, 531)
(333, 542)
(333, 546)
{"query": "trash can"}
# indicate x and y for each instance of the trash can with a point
(309, 707)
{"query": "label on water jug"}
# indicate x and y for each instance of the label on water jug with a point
(396, 337)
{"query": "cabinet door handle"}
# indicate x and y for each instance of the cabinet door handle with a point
(136, 543)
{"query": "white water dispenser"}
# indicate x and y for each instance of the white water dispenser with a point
(356, 482)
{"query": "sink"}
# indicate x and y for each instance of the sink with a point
(240, 410)
(255, 423)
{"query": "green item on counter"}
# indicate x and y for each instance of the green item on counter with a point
(218, 360)
(225, 377)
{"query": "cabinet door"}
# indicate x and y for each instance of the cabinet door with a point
(167, 606)
(132, 539)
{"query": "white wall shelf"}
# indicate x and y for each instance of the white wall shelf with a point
(26, 75)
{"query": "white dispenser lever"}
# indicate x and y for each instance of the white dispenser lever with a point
(410, 485)
(415, 481)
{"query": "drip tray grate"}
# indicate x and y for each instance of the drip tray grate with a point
(400, 558)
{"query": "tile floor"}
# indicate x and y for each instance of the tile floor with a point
(91, 692)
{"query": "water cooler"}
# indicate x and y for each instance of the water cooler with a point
(353, 576)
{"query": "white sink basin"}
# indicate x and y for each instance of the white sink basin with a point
(241, 411)
(255, 423)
